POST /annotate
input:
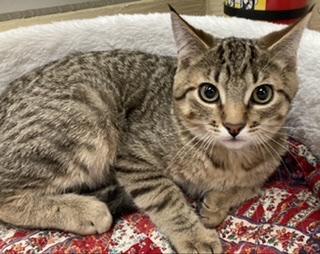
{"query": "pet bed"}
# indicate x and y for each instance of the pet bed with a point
(285, 218)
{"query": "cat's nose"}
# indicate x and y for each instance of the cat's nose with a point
(234, 129)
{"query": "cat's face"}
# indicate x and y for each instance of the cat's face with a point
(234, 92)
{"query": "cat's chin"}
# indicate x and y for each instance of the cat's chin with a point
(234, 144)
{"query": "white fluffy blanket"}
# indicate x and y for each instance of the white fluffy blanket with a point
(23, 49)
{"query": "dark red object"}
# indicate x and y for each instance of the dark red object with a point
(282, 5)
(279, 11)
(286, 5)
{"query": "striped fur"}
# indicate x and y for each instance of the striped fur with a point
(98, 134)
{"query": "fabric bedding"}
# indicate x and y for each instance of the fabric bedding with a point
(285, 218)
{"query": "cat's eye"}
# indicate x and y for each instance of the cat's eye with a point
(262, 94)
(208, 93)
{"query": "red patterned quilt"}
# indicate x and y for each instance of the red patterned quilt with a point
(284, 219)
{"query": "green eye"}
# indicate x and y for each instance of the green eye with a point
(208, 93)
(262, 94)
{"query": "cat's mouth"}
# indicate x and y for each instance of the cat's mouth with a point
(234, 143)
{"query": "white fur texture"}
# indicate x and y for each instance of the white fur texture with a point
(24, 49)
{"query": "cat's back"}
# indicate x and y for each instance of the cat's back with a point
(81, 93)
(91, 68)
(91, 78)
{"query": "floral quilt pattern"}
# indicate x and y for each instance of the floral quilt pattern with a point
(284, 218)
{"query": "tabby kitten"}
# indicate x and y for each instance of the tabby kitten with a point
(135, 128)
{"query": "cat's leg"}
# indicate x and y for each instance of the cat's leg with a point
(35, 193)
(115, 196)
(49, 203)
(215, 205)
(164, 202)
(69, 212)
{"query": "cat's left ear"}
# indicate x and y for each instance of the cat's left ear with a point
(284, 44)
(191, 42)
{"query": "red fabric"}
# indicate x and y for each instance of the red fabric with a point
(285, 218)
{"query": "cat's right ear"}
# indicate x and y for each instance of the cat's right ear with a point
(284, 43)
(191, 42)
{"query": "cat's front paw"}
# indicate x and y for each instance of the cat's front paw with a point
(212, 219)
(84, 216)
(211, 214)
(202, 241)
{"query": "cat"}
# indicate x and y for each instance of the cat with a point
(100, 133)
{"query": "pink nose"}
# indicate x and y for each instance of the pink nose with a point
(234, 129)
